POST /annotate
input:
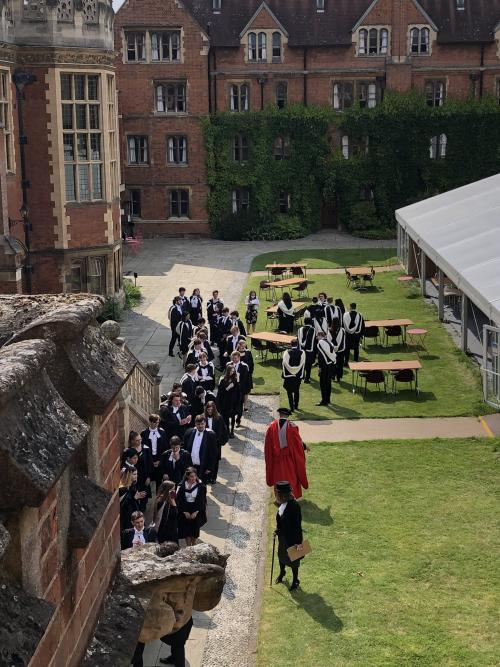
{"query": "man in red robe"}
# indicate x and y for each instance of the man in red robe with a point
(284, 454)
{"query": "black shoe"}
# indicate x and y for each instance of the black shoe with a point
(294, 586)
(307, 381)
(171, 354)
(167, 661)
(238, 422)
(321, 403)
(231, 435)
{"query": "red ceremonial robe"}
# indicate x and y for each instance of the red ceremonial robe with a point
(287, 464)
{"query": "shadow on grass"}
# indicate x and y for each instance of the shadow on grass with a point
(311, 513)
(319, 610)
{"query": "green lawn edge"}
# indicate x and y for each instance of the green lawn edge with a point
(333, 258)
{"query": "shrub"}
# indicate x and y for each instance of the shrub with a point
(112, 310)
(283, 227)
(133, 295)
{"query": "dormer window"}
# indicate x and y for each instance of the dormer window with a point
(257, 47)
(252, 46)
(460, 4)
(320, 5)
(276, 46)
(262, 46)
(373, 42)
(419, 40)
(216, 6)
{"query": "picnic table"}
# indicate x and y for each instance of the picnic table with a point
(403, 322)
(286, 267)
(386, 366)
(297, 305)
(359, 270)
(271, 337)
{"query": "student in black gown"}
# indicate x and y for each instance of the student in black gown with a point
(245, 382)
(192, 507)
(229, 397)
(175, 461)
(247, 358)
(129, 496)
(138, 534)
(200, 398)
(288, 530)
(155, 438)
(175, 315)
(286, 314)
(205, 371)
(165, 517)
(144, 466)
(215, 422)
(214, 311)
(176, 416)
(195, 306)
(184, 331)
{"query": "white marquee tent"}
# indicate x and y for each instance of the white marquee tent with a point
(460, 232)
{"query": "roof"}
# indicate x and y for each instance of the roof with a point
(460, 232)
(333, 27)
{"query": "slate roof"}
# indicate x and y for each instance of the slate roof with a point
(307, 27)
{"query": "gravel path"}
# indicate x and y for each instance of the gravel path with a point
(231, 640)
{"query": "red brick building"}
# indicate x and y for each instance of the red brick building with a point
(59, 202)
(179, 61)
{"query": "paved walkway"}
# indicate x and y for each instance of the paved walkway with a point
(165, 264)
(237, 521)
(391, 429)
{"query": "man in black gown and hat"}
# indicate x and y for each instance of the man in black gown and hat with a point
(288, 531)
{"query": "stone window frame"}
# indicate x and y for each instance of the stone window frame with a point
(431, 38)
(84, 265)
(236, 93)
(6, 118)
(178, 189)
(430, 91)
(438, 146)
(240, 200)
(127, 35)
(162, 86)
(361, 40)
(160, 37)
(132, 136)
(174, 148)
(372, 93)
(240, 149)
(148, 47)
(268, 36)
(281, 92)
(112, 133)
(101, 131)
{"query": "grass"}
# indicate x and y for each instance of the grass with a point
(449, 381)
(404, 569)
(328, 259)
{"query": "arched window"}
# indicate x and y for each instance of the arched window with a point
(252, 46)
(373, 41)
(424, 40)
(262, 49)
(363, 39)
(415, 40)
(281, 148)
(276, 46)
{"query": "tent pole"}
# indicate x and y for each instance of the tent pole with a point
(441, 295)
(423, 273)
(465, 322)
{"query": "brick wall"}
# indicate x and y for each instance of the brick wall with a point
(77, 582)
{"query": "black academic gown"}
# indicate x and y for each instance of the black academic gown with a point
(208, 452)
(161, 446)
(175, 469)
(172, 425)
(289, 530)
(127, 537)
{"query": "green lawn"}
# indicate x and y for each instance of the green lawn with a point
(404, 569)
(328, 259)
(449, 382)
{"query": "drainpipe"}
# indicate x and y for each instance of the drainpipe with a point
(262, 83)
(305, 76)
(481, 73)
(215, 80)
(208, 71)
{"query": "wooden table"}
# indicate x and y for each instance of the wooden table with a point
(297, 305)
(417, 336)
(359, 270)
(404, 323)
(289, 282)
(364, 366)
(270, 337)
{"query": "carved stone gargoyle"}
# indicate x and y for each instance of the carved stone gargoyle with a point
(170, 587)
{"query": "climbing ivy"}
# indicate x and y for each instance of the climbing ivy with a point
(391, 169)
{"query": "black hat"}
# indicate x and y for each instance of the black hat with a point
(284, 411)
(284, 487)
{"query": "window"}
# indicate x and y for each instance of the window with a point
(460, 4)
(240, 148)
(240, 200)
(419, 40)
(179, 203)
(354, 147)
(346, 93)
(216, 5)
(262, 47)
(252, 46)
(281, 148)
(281, 95)
(320, 5)
(367, 95)
(345, 146)
(177, 150)
(5, 119)
(239, 97)
(135, 203)
(276, 46)
(135, 46)
(166, 46)
(78, 281)
(171, 97)
(82, 136)
(434, 93)
(373, 42)
(437, 148)
(284, 202)
(137, 150)
(113, 137)
(96, 275)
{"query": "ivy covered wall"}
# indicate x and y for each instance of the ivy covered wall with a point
(389, 163)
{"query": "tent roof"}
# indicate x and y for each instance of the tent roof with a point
(460, 232)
